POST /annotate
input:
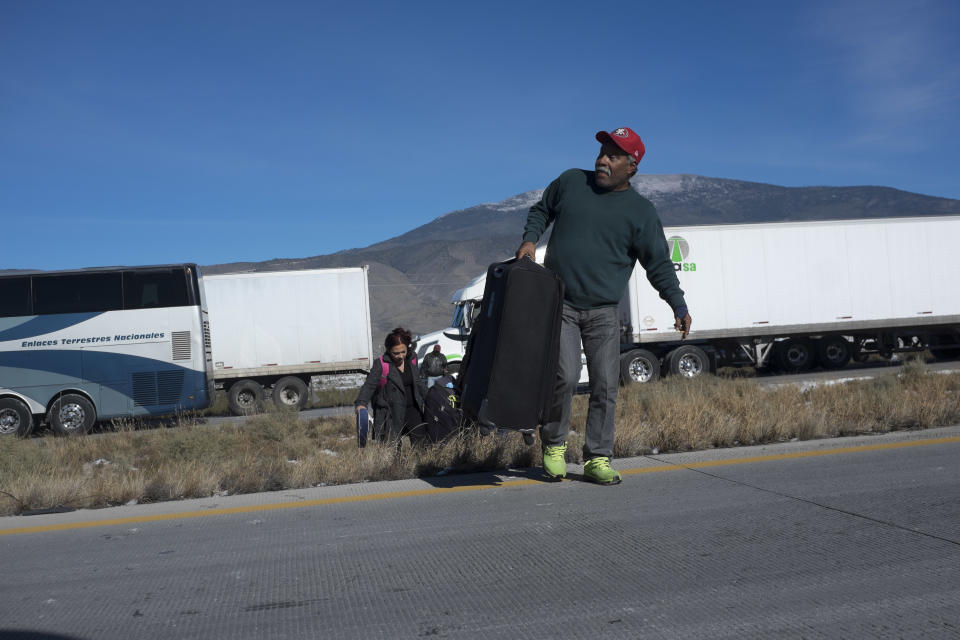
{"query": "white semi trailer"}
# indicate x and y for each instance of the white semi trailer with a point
(793, 295)
(273, 331)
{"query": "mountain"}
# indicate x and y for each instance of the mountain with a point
(413, 275)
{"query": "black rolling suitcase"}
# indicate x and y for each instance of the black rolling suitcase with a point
(508, 377)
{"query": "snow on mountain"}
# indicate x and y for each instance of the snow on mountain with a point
(654, 185)
(521, 201)
(649, 185)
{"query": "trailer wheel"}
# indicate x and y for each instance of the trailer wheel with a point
(639, 366)
(945, 347)
(795, 355)
(15, 418)
(71, 414)
(290, 392)
(688, 361)
(833, 352)
(245, 397)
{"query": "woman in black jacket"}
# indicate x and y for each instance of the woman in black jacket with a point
(395, 390)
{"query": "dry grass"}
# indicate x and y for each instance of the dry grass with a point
(334, 397)
(278, 451)
(219, 406)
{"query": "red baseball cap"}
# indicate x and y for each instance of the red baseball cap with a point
(625, 138)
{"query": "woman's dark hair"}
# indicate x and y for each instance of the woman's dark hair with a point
(398, 336)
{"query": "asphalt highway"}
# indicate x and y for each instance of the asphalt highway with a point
(842, 538)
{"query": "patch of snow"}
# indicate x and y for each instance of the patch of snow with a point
(522, 201)
(330, 453)
(339, 381)
(101, 462)
(649, 185)
(806, 385)
(656, 185)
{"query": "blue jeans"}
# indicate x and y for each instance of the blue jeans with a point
(599, 331)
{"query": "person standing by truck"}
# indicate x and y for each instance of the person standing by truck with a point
(434, 365)
(601, 228)
(396, 390)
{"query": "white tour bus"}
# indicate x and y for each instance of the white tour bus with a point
(81, 346)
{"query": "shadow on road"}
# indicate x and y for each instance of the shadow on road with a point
(486, 479)
(12, 634)
(453, 480)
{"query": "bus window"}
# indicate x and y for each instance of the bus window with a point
(155, 288)
(77, 293)
(14, 297)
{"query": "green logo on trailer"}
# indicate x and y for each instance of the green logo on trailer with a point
(679, 252)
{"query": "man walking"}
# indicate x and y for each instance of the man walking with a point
(601, 228)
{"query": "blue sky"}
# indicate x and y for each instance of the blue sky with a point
(142, 133)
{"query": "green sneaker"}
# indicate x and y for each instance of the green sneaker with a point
(598, 470)
(555, 461)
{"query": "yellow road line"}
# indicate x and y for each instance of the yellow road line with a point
(473, 487)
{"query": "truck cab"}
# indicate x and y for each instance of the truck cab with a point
(453, 339)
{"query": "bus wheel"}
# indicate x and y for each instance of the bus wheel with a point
(15, 418)
(639, 366)
(245, 397)
(688, 361)
(290, 393)
(71, 414)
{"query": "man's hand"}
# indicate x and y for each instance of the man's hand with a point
(527, 250)
(683, 324)
(357, 408)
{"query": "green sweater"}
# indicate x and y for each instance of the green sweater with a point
(597, 238)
